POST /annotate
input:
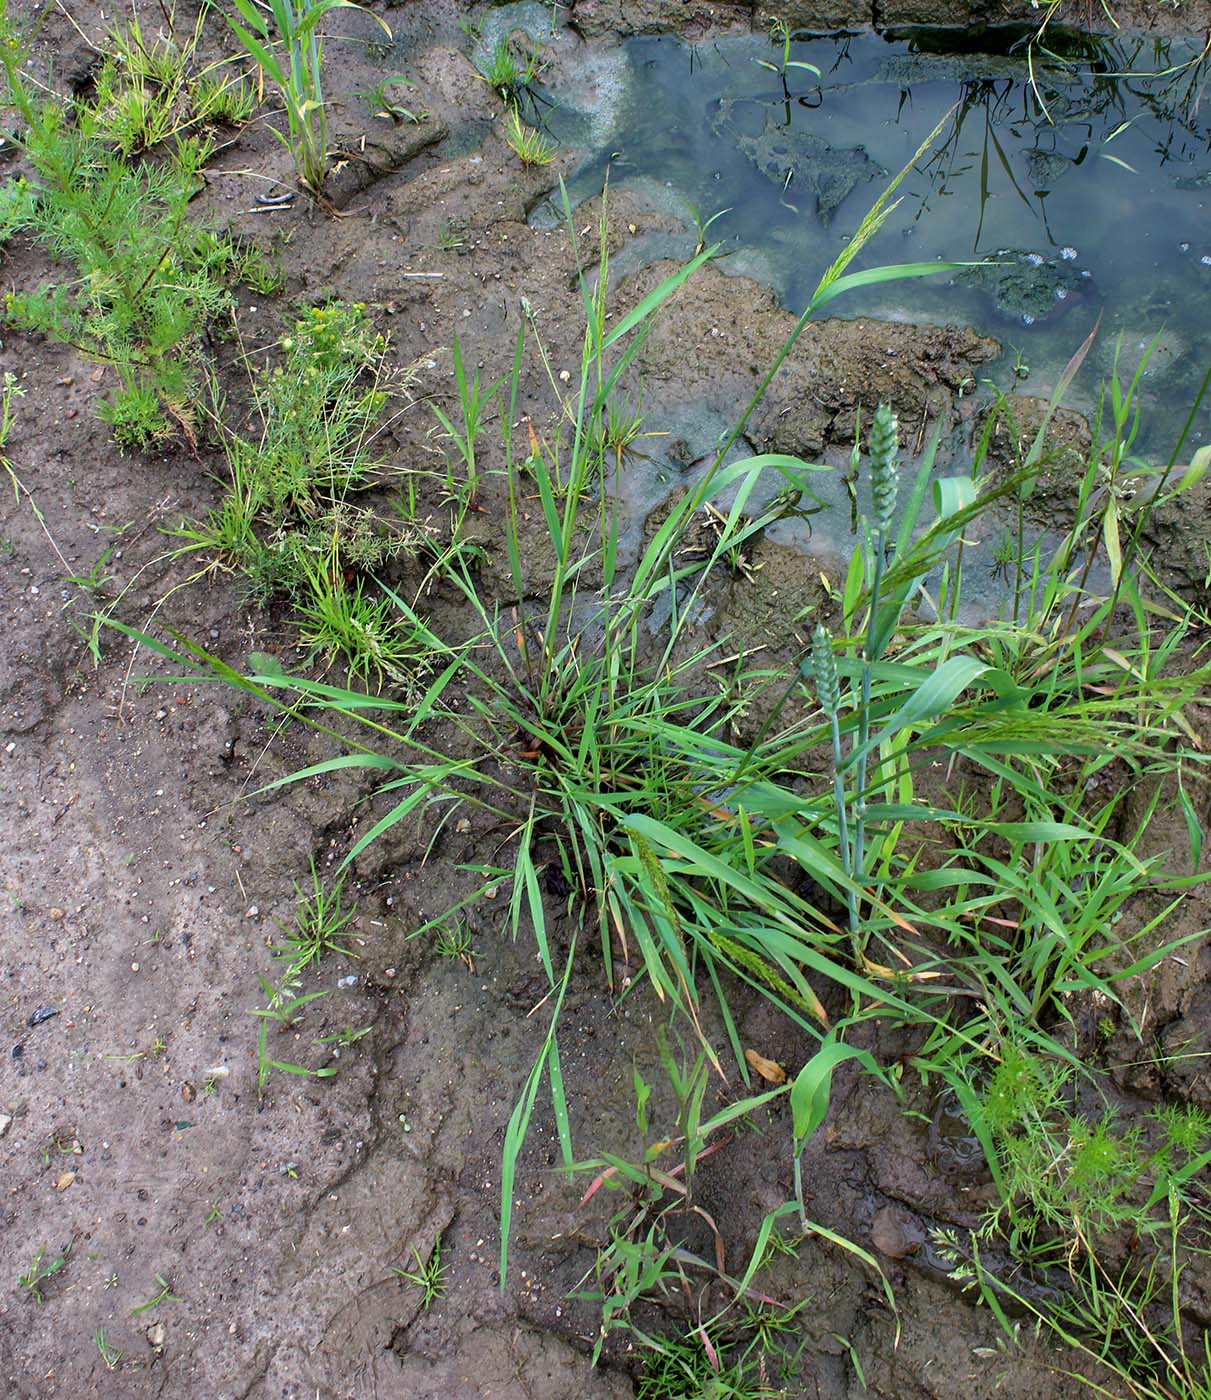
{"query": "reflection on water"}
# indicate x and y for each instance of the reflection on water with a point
(1085, 174)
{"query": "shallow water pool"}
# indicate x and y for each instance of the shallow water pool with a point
(1087, 178)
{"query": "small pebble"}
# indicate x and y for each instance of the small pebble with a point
(43, 1013)
(5, 1123)
(57, 915)
(253, 911)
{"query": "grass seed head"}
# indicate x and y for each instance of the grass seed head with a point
(884, 449)
(824, 669)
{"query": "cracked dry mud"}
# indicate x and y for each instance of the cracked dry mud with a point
(143, 874)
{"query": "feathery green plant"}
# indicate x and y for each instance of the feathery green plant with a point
(149, 280)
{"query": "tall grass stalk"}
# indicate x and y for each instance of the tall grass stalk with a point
(296, 73)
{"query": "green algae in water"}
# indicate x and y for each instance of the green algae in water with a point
(1092, 184)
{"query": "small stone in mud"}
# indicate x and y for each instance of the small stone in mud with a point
(6, 1120)
(57, 915)
(896, 1232)
(43, 1013)
(156, 1335)
(188, 1093)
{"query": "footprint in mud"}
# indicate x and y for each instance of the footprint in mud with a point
(953, 1144)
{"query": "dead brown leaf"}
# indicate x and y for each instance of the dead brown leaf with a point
(769, 1070)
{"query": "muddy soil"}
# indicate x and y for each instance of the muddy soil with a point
(217, 1244)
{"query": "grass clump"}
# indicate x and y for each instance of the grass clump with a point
(531, 147)
(289, 522)
(318, 927)
(821, 859)
(150, 90)
(509, 76)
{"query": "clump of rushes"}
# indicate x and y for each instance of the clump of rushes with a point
(296, 73)
(512, 80)
(529, 146)
(506, 75)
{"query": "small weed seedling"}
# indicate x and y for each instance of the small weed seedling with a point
(453, 940)
(450, 239)
(111, 1356)
(385, 109)
(343, 1039)
(320, 921)
(429, 1275)
(702, 226)
(284, 1007)
(165, 1295)
(40, 1270)
(780, 34)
